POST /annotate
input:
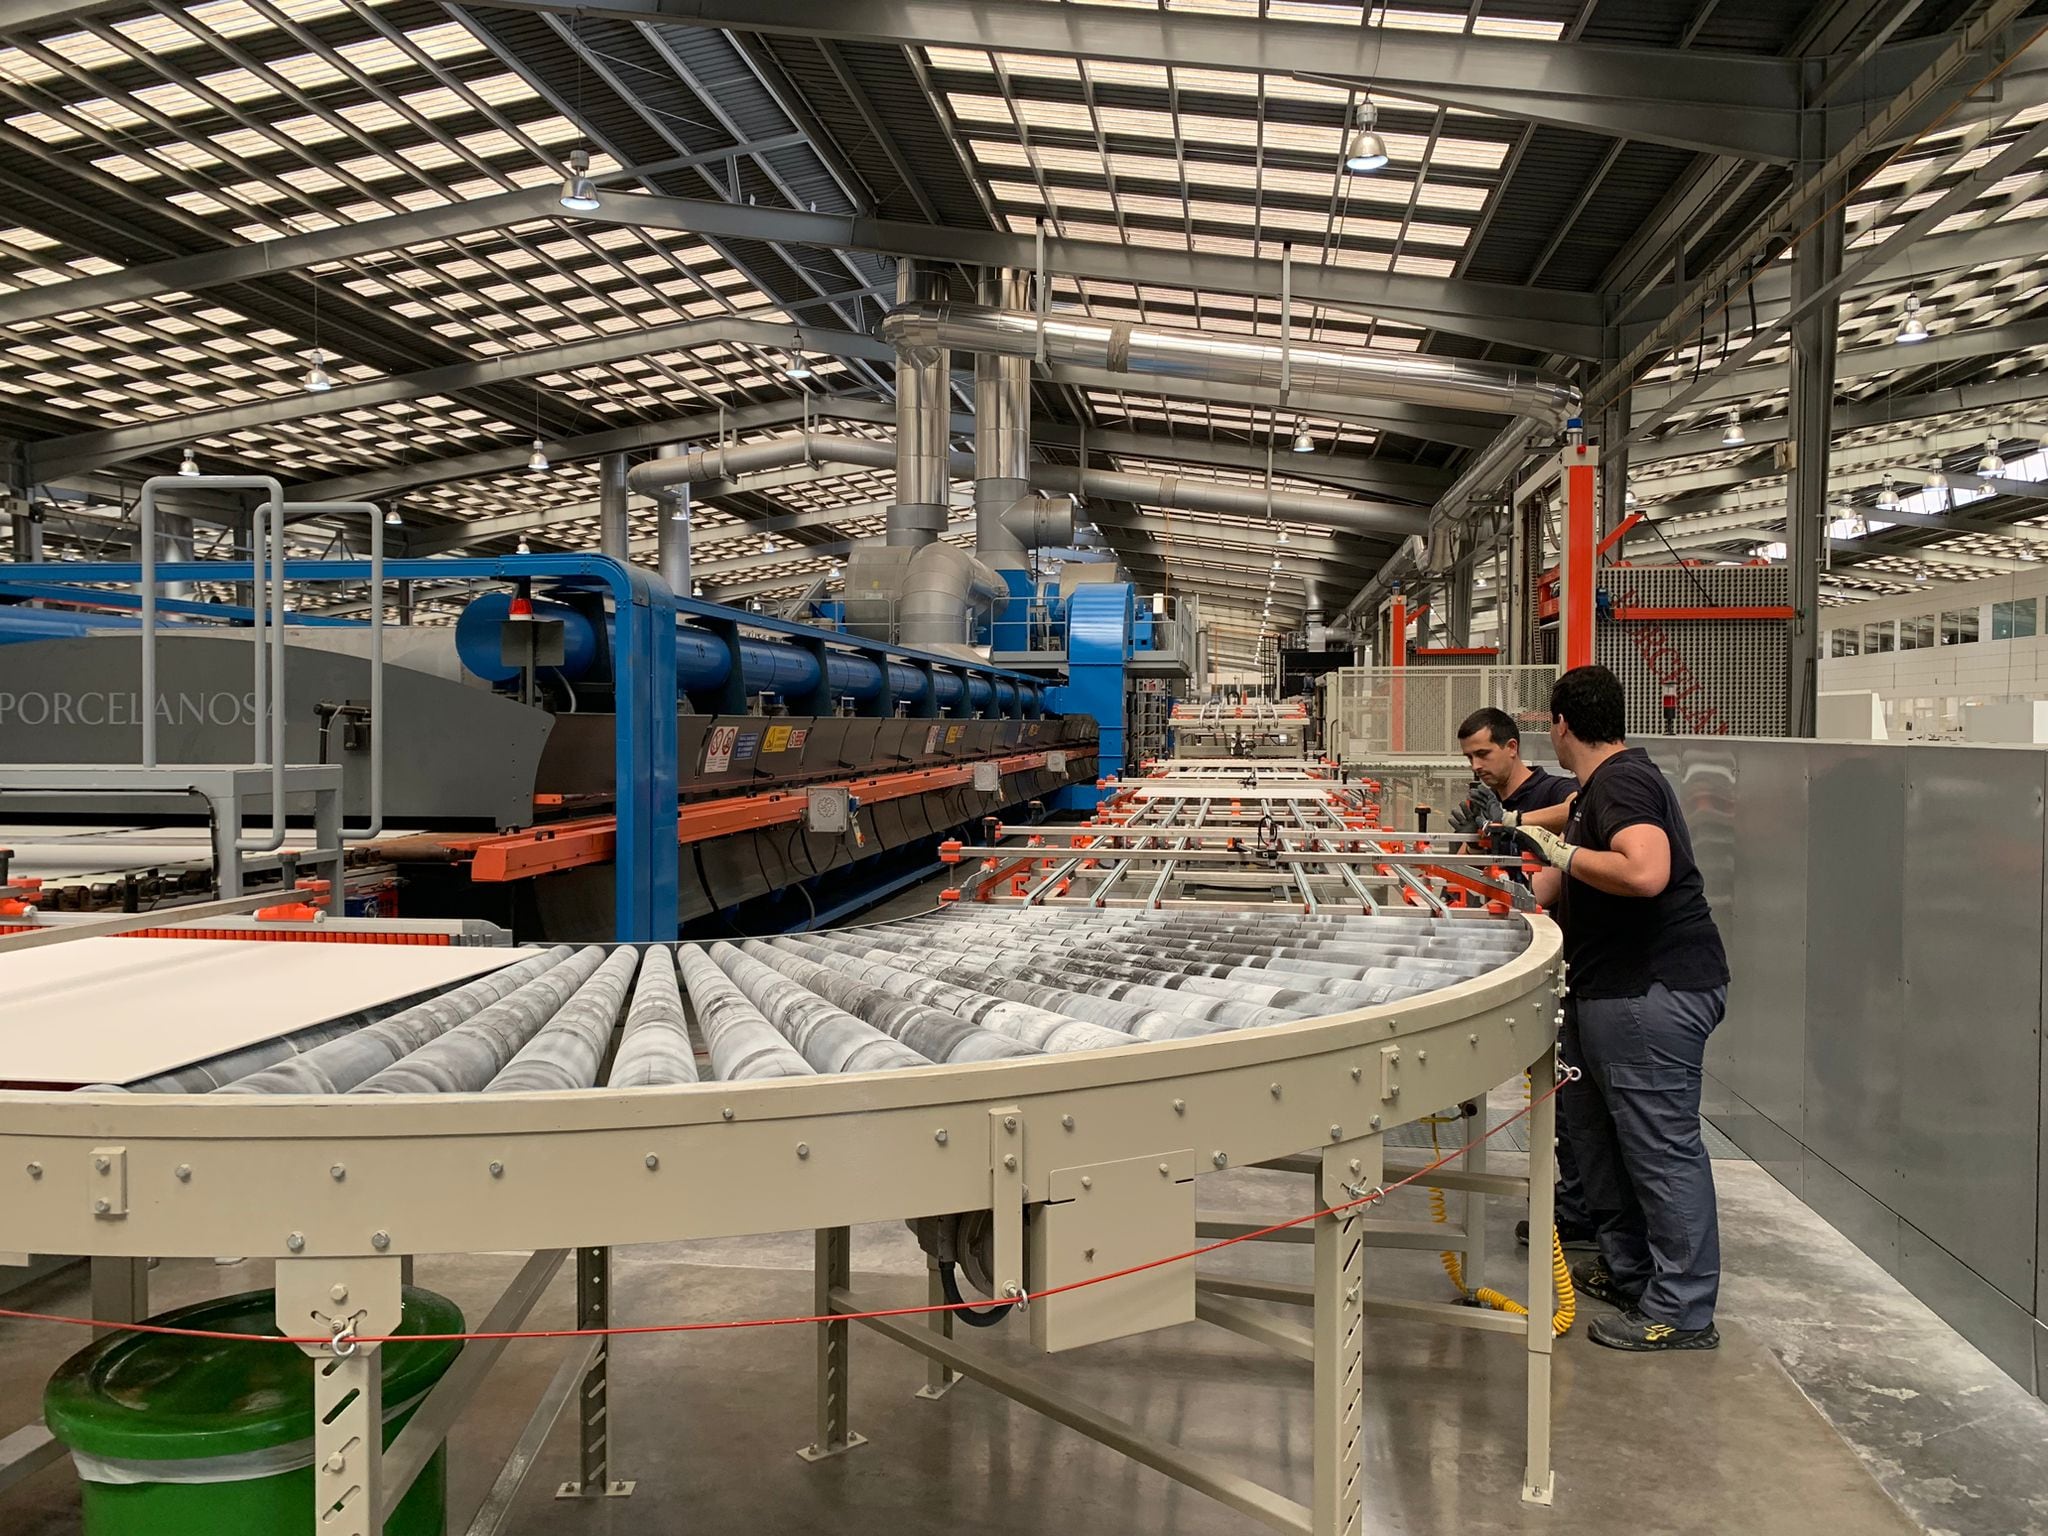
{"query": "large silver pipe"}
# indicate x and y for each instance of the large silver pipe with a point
(672, 531)
(1188, 493)
(611, 506)
(942, 586)
(924, 381)
(1002, 431)
(920, 328)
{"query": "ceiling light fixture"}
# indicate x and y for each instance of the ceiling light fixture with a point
(1993, 462)
(1367, 151)
(392, 519)
(1734, 437)
(1283, 535)
(538, 459)
(188, 466)
(317, 380)
(1303, 443)
(523, 548)
(1888, 497)
(798, 368)
(579, 194)
(1912, 329)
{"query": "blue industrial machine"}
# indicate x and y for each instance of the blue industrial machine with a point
(638, 764)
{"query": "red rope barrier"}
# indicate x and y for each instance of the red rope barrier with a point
(1370, 1197)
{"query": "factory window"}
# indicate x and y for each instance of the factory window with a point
(1876, 638)
(2014, 620)
(1917, 634)
(1959, 626)
(1842, 642)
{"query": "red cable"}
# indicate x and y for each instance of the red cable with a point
(1369, 1198)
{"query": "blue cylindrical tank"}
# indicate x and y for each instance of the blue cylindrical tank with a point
(978, 694)
(1006, 696)
(949, 689)
(478, 637)
(853, 676)
(906, 682)
(771, 668)
(702, 660)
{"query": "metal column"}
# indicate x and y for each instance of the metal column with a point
(28, 536)
(672, 529)
(611, 505)
(833, 1270)
(593, 1405)
(1539, 1482)
(1613, 428)
(1816, 262)
(1458, 595)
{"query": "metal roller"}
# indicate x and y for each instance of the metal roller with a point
(829, 1038)
(340, 1065)
(467, 1057)
(1040, 1027)
(932, 1033)
(570, 1047)
(655, 1049)
(743, 1044)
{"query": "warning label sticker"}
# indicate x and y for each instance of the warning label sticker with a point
(718, 753)
(778, 739)
(931, 738)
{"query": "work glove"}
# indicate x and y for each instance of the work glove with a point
(1480, 807)
(1547, 847)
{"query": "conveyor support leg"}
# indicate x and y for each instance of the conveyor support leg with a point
(593, 1403)
(1539, 1481)
(354, 1296)
(833, 1270)
(1339, 1336)
(120, 1289)
(939, 1377)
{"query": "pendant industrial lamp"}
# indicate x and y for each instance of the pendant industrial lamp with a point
(1303, 443)
(579, 193)
(1993, 462)
(1912, 329)
(188, 466)
(1367, 151)
(1734, 437)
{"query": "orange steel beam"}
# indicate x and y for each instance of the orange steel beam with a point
(594, 839)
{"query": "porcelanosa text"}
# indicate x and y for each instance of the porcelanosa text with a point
(107, 707)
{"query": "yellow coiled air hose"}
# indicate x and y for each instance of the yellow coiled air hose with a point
(1561, 1273)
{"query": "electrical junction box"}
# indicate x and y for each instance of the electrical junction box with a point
(828, 810)
(1106, 1217)
(988, 777)
(1056, 762)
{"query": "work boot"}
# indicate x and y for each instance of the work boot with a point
(1576, 1238)
(1640, 1335)
(1593, 1278)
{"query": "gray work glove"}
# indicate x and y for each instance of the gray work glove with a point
(1480, 807)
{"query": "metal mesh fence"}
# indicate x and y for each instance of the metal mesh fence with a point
(1385, 714)
(1724, 676)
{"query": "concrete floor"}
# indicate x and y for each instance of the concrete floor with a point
(1834, 1389)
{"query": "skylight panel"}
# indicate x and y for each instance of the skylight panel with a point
(976, 108)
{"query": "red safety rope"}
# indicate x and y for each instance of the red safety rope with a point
(1567, 1074)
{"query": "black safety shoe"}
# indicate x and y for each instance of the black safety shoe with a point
(1593, 1278)
(1576, 1239)
(1642, 1335)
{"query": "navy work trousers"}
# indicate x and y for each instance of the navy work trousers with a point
(1635, 1127)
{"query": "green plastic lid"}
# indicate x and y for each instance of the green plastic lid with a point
(160, 1397)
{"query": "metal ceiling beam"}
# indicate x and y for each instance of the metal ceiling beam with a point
(1550, 322)
(1381, 477)
(1861, 363)
(1711, 103)
(57, 458)
(1464, 429)
(1998, 394)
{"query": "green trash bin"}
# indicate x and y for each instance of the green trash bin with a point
(197, 1437)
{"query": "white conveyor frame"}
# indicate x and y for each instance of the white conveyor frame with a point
(339, 1190)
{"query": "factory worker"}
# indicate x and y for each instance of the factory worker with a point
(1649, 980)
(1505, 789)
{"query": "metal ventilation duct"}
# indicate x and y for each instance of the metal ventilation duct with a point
(927, 328)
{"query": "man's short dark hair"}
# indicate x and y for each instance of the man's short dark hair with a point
(1497, 721)
(1589, 700)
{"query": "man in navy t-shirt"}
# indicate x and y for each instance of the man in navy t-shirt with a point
(1505, 790)
(1649, 981)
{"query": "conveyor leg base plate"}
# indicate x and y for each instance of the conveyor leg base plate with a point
(1543, 1493)
(827, 1452)
(618, 1488)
